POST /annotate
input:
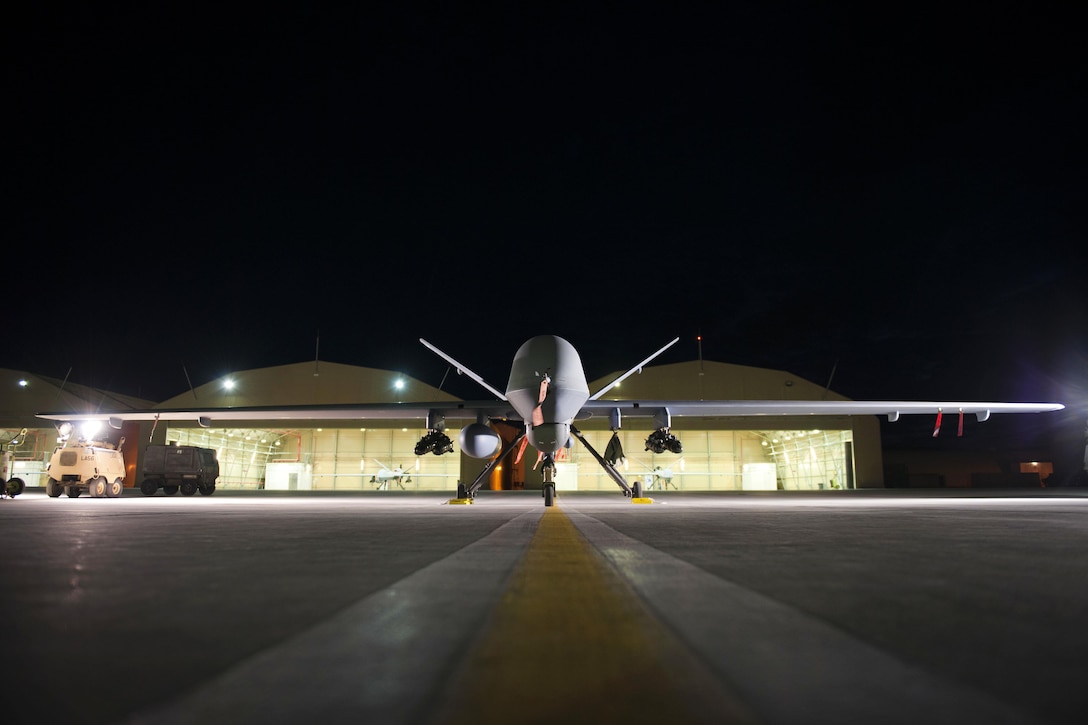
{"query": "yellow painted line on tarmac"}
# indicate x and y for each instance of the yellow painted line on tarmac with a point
(570, 641)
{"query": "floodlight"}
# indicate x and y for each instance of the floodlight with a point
(90, 429)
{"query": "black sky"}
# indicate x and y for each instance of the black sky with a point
(895, 193)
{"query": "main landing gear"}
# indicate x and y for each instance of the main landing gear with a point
(634, 491)
(466, 493)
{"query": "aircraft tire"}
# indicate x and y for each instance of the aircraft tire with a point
(637, 490)
(549, 494)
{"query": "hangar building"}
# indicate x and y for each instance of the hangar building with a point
(719, 453)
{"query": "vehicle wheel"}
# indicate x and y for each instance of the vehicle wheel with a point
(549, 494)
(188, 488)
(207, 490)
(114, 489)
(97, 486)
(637, 490)
(169, 490)
(53, 489)
(16, 487)
(149, 487)
(73, 491)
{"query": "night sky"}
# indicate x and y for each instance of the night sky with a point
(896, 194)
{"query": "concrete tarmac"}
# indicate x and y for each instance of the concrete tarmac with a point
(379, 607)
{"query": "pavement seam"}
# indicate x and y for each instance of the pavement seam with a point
(757, 643)
(372, 661)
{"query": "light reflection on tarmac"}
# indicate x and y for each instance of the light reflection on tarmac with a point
(878, 606)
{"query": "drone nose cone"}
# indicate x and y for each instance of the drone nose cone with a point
(544, 347)
(551, 357)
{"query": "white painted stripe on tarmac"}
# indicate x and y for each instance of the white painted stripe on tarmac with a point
(377, 661)
(789, 666)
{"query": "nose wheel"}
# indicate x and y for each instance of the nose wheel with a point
(549, 481)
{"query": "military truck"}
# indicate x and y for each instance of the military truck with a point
(172, 468)
(92, 467)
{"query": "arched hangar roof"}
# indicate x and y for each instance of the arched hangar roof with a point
(316, 383)
(707, 380)
(23, 395)
(308, 383)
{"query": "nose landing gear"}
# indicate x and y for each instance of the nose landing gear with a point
(548, 470)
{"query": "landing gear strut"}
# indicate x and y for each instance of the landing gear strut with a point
(467, 493)
(608, 467)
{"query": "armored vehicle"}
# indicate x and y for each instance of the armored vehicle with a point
(172, 468)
